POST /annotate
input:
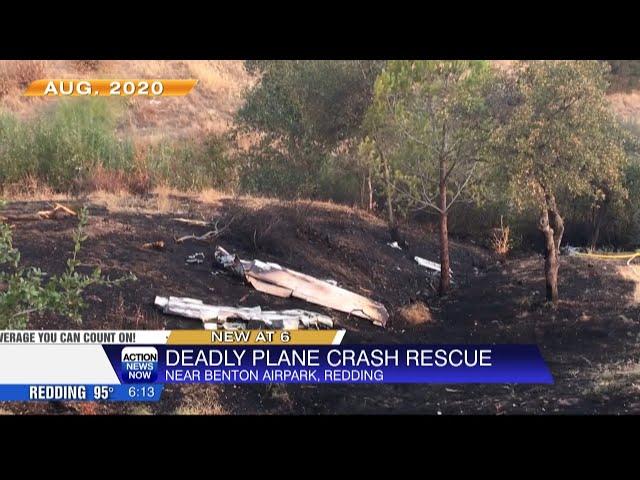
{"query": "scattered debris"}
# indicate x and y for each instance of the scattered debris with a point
(395, 245)
(196, 258)
(189, 221)
(568, 402)
(58, 212)
(570, 251)
(428, 264)
(423, 262)
(214, 317)
(159, 245)
(202, 238)
(273, 279)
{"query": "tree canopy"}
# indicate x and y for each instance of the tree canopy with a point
(561, 136)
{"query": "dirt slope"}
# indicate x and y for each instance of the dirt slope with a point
(589, 339)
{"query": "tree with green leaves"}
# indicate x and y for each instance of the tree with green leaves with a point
(304, 113)
(559, 141)
(429, 123)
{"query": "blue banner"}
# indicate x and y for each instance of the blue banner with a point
(441, 364)
(80, 393)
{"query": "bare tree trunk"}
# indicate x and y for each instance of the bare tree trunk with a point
(388, 189)
(595, 232)
(556, 221)
(445, 275)
(552, 227)
(550, 257)
(387, 180)
(600, 211)
(370, 191)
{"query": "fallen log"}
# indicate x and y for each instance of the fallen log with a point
(57, 213)
(213, 316)
(202, 238)
(189, 221)
(210, 235)
(159, 245)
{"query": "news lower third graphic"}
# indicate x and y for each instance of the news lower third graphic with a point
(135, 365)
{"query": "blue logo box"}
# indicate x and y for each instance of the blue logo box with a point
(139, 364)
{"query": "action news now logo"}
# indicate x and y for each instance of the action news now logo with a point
(139, 364)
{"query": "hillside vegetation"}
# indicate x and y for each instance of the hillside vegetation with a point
(219, 94)
(278, 128)
(208, 109)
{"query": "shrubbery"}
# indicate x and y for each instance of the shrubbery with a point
(306, 120)
(27, 290)
(75, 147)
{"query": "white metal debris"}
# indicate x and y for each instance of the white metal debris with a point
(197, 258)
(273, 279)
(423, 262)
(214, 316)
(395, 245)
(571, 251)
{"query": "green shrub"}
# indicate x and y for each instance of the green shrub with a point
(192, 165)
(75, 141)
(30, 290)
(63, 146)
(76, 137)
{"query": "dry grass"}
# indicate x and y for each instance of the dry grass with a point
(415, 314)
(616, 377)
(30, 190)
(169, 200)
(200, 400)
(87, 66)
(165, 199)
(631, 273)
(114, 201)
(626, 105)
(211, 196)
(15, 75)
(501, 239)
(162, 200)
(140, 409)
(117, 181)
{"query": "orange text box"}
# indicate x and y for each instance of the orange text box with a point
(110, 87)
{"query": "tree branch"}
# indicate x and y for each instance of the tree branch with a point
(462, 187)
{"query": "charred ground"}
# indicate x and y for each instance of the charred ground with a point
(589, 339)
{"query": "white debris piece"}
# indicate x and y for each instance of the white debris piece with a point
(215, 317)
(571, 251)
(423, 262)
(331, 282)
(279, 281)
(197, 258)
(395, 245)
